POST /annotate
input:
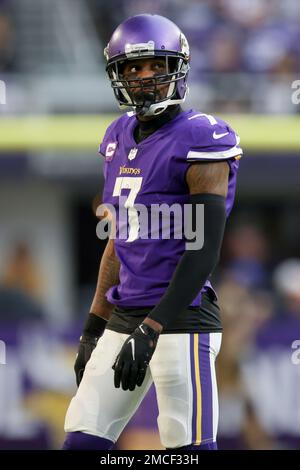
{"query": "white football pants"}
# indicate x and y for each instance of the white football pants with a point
(183, 371)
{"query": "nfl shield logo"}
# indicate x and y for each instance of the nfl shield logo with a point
(132, 153)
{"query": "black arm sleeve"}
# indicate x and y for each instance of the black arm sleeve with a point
(195, 266)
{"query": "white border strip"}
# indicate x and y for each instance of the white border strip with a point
(233, 152)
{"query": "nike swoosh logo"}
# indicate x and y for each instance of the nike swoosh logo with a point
(131, 341)
(219, 136)
(142, 329)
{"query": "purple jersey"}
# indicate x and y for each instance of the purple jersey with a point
(153, 172)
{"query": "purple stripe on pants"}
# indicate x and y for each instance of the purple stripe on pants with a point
(206, 387)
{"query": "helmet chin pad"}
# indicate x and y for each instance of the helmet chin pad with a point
(146, 99)
(151, 109)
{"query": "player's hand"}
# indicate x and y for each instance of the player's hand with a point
(86, 345)
(131, 363)
(93, 330)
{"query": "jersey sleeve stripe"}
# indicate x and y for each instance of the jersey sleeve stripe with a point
(223, 155)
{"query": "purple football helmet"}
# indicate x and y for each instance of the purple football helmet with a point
(143, 37)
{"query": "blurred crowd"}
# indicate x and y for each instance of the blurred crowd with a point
(225, 35)
(245, 54)
(7, 48)
(36, 377)
(258, 378)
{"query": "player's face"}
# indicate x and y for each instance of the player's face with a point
(145, 69)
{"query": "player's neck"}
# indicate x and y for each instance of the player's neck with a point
(147, 127)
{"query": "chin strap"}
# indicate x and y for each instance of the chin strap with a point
(152, 109)
(145, 108)
(149, 108)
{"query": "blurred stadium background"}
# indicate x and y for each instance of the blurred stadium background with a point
(245, 57)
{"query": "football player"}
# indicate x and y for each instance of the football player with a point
(155, 316)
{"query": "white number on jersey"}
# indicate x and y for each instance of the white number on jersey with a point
(134, 184)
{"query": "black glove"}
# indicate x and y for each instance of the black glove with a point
(93, 329)
(131, 363)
